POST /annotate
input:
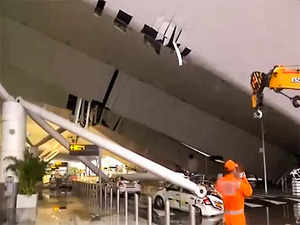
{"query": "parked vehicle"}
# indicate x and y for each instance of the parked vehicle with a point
(129, 186)
(210, 204)
(252, 180)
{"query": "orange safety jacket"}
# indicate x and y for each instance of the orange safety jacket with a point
(233, 191)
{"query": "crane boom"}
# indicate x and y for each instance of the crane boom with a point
(278, 79)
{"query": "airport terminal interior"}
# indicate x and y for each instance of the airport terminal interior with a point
(166, 112)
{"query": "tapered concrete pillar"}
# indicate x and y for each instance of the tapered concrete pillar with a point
(13, 136)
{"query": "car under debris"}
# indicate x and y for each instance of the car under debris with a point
(208, 204)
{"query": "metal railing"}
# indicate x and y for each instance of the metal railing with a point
(93, 192)
(90, 192)
(40, 115)
(113, 147)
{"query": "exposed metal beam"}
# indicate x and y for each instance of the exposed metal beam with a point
(49, 137)
(29, 142)
(58, 137)
(92, 167)
(49, 129)
(113, 147)
(107, 93)
(77, 109)
(87, 120)
(4, 94)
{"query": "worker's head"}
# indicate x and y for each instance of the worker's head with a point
(230, 166)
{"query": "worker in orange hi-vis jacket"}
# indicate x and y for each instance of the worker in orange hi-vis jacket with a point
(234, 187)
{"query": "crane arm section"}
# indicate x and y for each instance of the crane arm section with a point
(278, 79)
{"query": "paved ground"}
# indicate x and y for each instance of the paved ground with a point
(260, 209)
(273, 209)
(267, 210)
(69, 210)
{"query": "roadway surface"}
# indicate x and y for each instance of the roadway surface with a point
(70, 210)
(269, 210)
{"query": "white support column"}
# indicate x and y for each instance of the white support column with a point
(13, 135)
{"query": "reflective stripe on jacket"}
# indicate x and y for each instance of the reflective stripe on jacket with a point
(233, 191)
(234, 212)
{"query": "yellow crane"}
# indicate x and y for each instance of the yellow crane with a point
(279, 78)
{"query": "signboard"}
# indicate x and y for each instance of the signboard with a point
(77, 149)
(58, 164)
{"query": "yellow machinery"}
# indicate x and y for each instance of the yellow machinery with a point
(279, 78)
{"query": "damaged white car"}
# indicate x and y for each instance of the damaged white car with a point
(209, 204)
